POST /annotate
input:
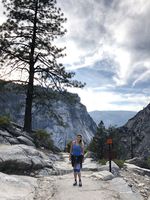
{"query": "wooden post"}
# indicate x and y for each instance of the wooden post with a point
(109, 142)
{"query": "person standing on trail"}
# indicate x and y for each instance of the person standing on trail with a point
(77, 157)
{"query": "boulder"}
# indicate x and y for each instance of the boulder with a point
(5, 133)
(139, 161)
(46, 172)
(17, 187)
(12, 135)
(12, 140)
(114, 168)
(24, 140)
(104, 175)
(138, 170)
(4, 140)
(22, 159)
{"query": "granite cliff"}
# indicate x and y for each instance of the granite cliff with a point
(135, 135)
(63, 116)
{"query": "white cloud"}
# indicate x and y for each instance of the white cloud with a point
(103, 100)
(109, 26)
(142, 77)
(73, 54)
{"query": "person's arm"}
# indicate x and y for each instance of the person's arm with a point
(70, 151)
(83, 151)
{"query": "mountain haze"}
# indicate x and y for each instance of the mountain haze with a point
(114, 118)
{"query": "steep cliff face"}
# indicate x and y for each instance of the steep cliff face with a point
(67, 120)
(62, 118)
(136, 134)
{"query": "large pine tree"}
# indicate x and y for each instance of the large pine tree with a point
(27, 45)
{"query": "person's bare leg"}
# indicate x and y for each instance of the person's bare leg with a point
(75, 179)
(80, 182)
(79, 175)
(75, 176)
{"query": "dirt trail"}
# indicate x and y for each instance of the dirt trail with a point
(61, 188)
(92, 189)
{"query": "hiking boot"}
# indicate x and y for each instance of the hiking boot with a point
(80, 184)
(75, 183)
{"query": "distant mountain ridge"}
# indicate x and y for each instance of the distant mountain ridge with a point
(114, 118)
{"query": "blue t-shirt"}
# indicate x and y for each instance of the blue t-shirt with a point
(76, 149)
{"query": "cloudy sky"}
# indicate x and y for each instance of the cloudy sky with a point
(108, 46)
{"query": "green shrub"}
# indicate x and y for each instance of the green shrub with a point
(120, 163)
(43, 139)
(4, 121)
(146, 163)
(102, 161)
(86, 150)
(67, 148)
(41, 134)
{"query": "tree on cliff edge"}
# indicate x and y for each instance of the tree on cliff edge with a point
(27, 45)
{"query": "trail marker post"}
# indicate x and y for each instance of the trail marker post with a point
(109, 142)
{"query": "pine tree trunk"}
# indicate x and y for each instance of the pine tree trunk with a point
(28, 107)
(29, 95)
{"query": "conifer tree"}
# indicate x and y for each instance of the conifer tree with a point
(98, 142)
(27, 45)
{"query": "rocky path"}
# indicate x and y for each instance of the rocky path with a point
(96, 185)
(92, 189)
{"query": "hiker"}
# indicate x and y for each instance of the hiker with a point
(77, 157)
